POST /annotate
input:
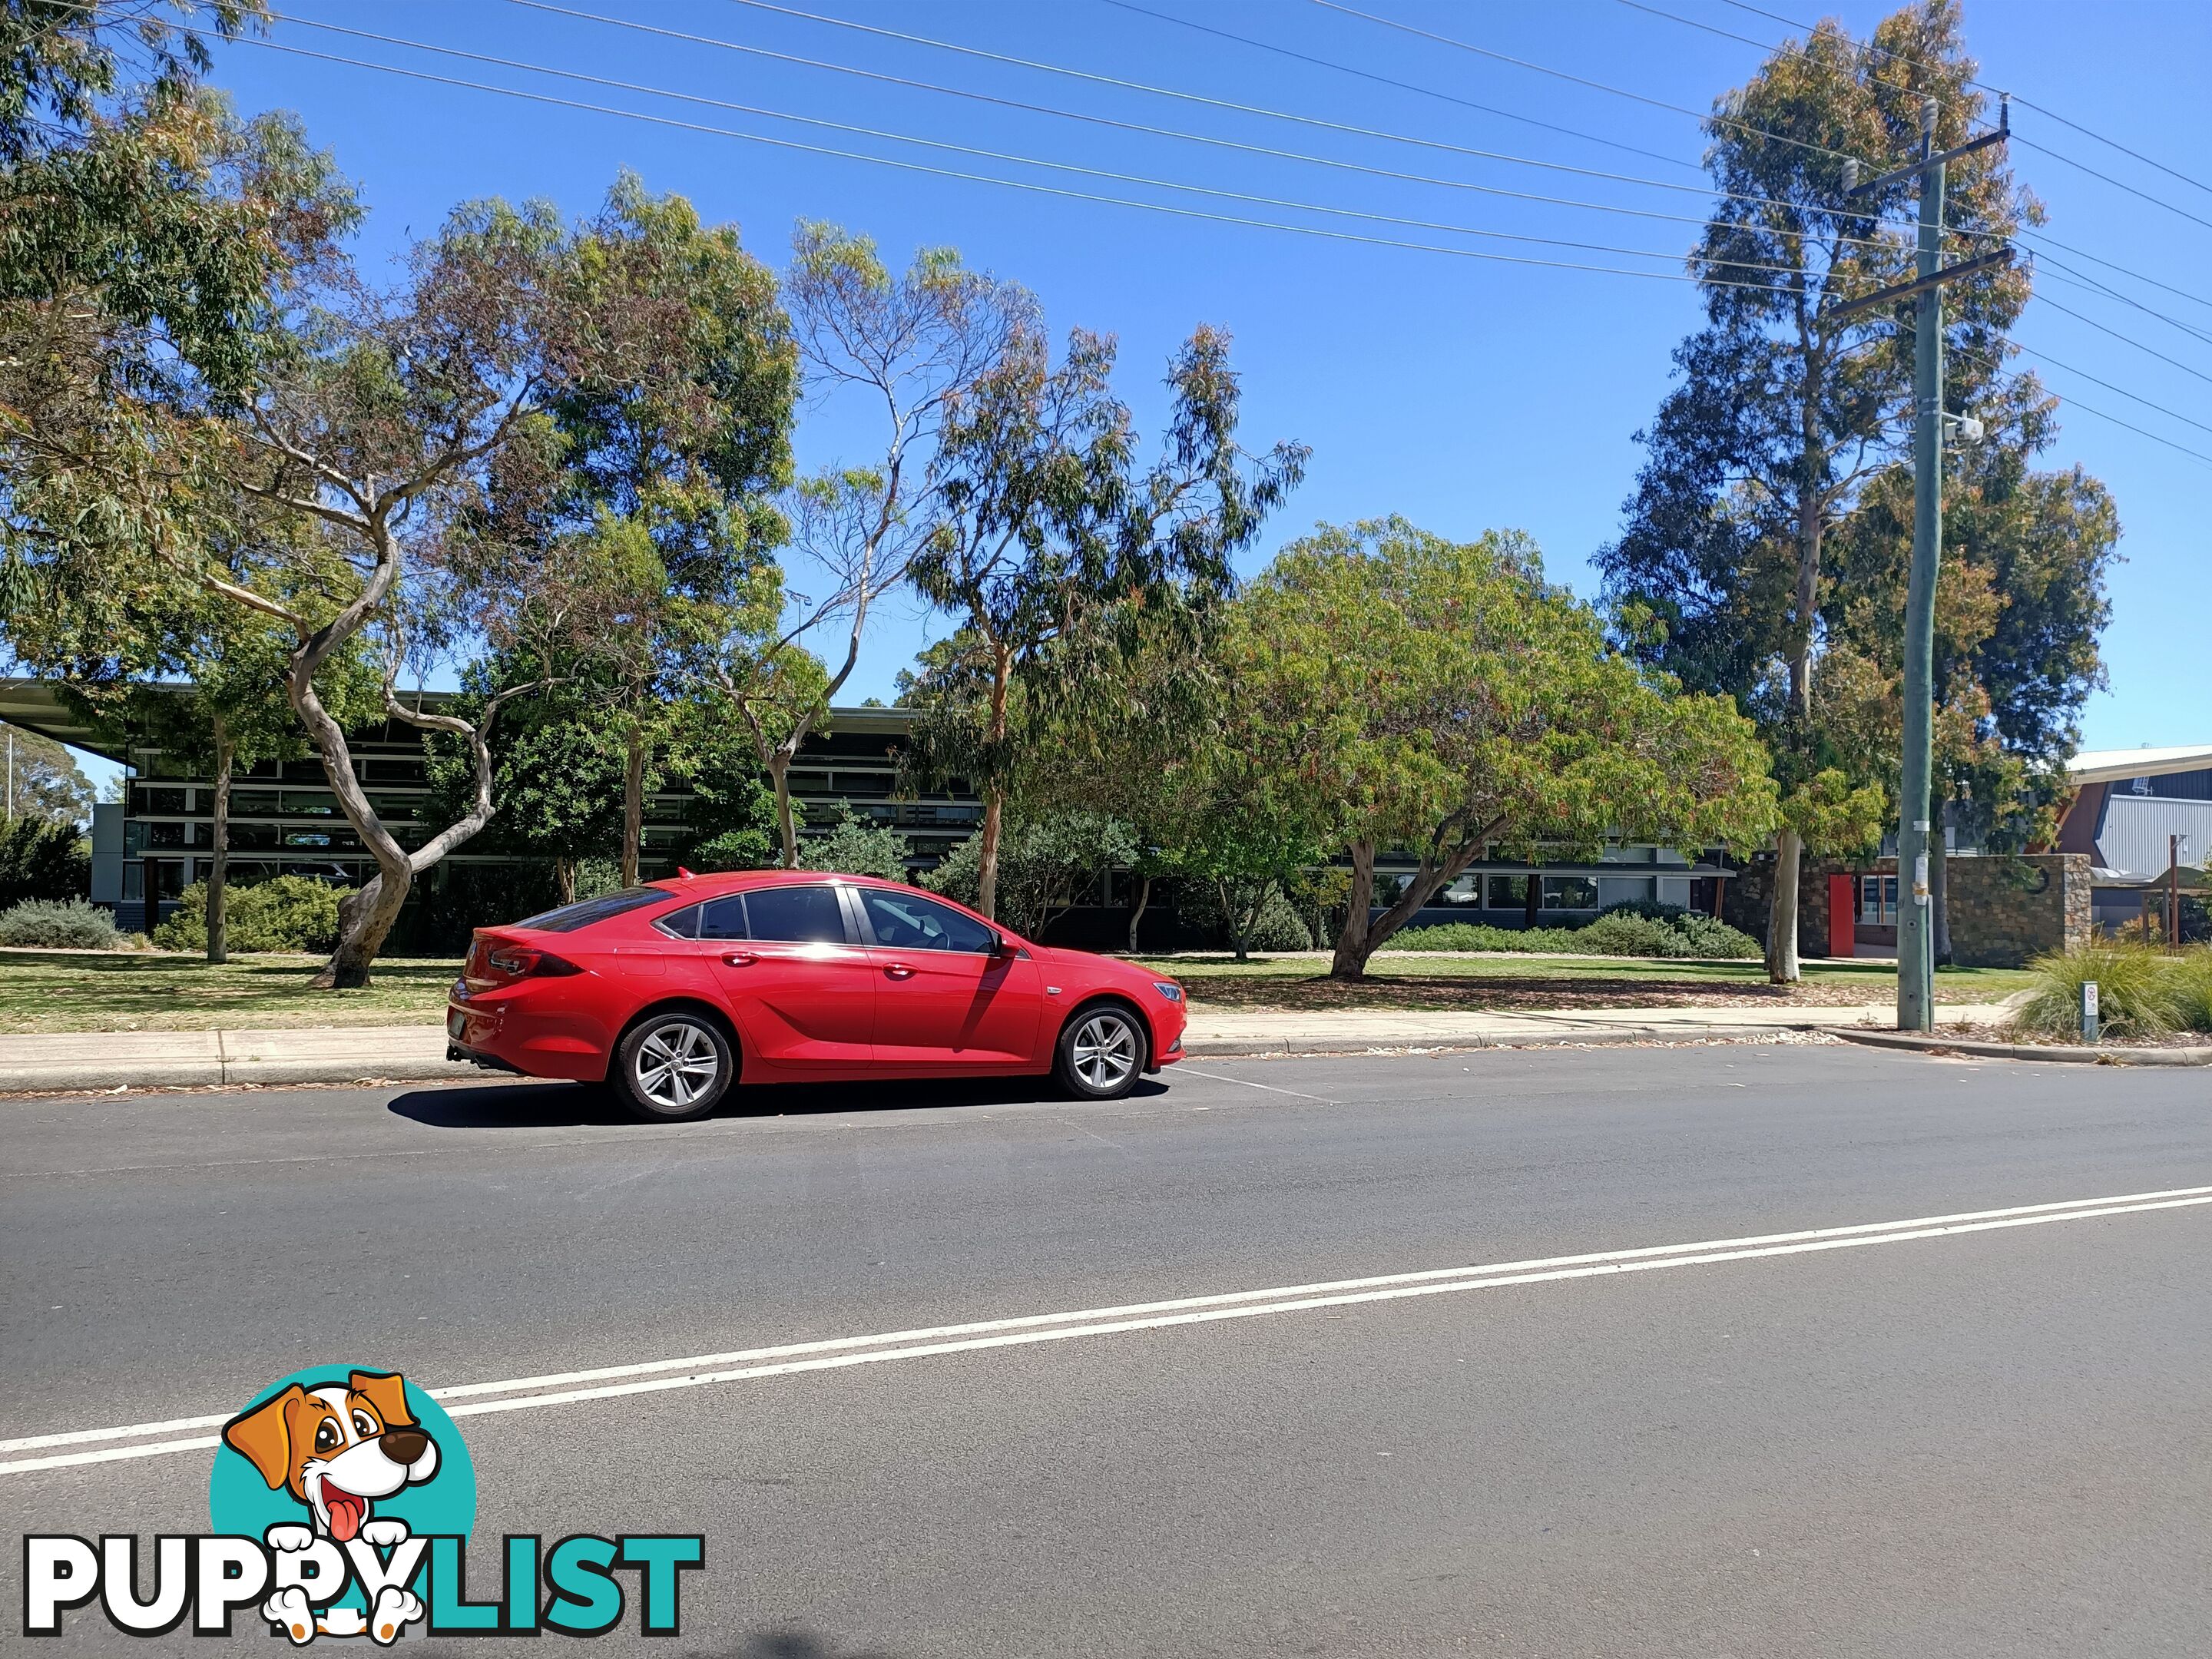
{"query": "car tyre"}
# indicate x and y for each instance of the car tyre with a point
(672, 1067)
(1101, 1053)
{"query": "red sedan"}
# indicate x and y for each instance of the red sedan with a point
(672, 991)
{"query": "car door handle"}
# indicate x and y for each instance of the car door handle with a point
(898, 970)
(740, 958)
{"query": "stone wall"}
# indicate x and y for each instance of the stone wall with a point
(2005, 910)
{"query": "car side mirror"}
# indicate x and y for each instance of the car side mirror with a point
(999, 946)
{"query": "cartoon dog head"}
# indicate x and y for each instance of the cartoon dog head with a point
(336, 1448)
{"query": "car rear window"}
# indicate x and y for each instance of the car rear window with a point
(584, 912)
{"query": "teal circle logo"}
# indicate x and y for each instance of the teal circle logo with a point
(337, 1448)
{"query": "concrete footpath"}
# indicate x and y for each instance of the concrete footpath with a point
(78, 1062)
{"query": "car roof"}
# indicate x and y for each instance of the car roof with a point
(709, 883)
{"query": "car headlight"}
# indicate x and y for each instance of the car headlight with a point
(1168, 989)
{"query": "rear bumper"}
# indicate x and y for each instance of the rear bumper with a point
(502, 1034)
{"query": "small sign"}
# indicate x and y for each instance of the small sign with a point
(2088, 1010)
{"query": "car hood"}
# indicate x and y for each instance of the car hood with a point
(1090, 962)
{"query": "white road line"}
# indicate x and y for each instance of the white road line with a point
(1189, 1070)
(839, 1353)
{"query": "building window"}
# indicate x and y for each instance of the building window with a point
(1570, 893)
(1508, 892)
(1878, 901)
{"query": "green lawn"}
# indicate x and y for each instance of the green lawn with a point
(149, 991)
(153, 991)
(1419, 980)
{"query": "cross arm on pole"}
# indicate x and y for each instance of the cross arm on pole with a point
(1881, 296)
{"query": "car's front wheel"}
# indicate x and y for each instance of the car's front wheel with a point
(1102, 1052)
(671, 1067)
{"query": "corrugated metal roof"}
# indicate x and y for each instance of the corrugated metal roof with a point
(2133, 837)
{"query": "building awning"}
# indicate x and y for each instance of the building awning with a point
(2116, 765)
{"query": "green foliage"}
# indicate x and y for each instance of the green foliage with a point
(467, 896)
(42, 858)
(285, 913)
(59, 925)
(1393, 688)
(1623, 930)
(2142, 991)
(737, 849)
(853, 845)
(1044, 866)
(46, 779)
(1257, 916)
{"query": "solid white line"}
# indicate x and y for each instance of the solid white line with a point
(1188, 1070)
(837, 1353)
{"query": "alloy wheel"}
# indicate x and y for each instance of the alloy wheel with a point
(1105, 1051)
(676, 1065)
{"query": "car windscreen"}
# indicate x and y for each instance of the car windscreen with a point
(584, 912)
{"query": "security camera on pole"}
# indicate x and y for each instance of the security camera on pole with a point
(1915, 957)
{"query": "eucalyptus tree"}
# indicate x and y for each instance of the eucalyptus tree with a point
(1786, 411)
(1056, 549)
(905, 349)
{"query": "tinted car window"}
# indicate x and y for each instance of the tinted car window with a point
(683, 923)
(808, 915)
(906, 921)
(724, 918)
(582, 914)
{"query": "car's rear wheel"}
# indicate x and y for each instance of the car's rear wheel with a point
(1102, 1052)
(672, 1067)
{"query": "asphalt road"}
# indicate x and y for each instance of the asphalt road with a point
(1978, 1443)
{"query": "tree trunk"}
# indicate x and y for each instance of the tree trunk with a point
(564, 879)
(1231, 919)
(218, 941)
(1144, 898)
(786, 825)
(986, 860)
(633, 829)
(1532, 900)
(1782, 967)
(1352, 948)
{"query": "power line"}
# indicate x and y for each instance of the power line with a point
(1405, 85)
(1704, 222)
(2045, 267)
(976, 178)
(2128, 339)
(1541, 69)
(2133, 398)
(1868, 46)
(1706, 190)
(1998, 371)
(2048, 114)
(1003, 155)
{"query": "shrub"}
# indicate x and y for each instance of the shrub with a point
(41, 859)
(59, 925)
(856, 847)
(2141, 991)
(1272, 922)
(2192, 975)
(1622, 930)
(285, 913)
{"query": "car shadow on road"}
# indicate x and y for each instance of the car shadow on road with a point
(570, 1105)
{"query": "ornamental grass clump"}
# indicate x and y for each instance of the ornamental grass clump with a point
(2142, 991)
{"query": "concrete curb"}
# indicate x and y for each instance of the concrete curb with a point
(1259, 1048)
(1915, 1043)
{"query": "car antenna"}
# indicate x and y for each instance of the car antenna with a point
(682, 874)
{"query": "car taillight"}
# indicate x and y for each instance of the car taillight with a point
(521, 961)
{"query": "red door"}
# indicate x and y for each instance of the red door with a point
(803, 992)
(941, 999)
(1843, 915)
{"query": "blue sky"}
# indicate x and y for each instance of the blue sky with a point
(1462, 393)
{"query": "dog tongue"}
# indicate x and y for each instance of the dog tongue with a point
(346, 1512)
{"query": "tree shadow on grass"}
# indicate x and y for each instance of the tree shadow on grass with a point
(532, 1105)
